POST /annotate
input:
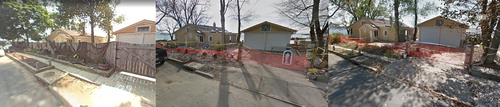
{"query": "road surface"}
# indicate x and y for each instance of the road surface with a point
(19, 88)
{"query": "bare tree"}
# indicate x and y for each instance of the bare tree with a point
(182, 12)
(223, 9)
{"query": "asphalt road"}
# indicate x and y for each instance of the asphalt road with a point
(178, 87)
(19, 88)
(351, 85)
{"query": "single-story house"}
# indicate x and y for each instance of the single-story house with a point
(442, 31)
(377, 30)
(191, 34)
(65, 35)
(142, 32)
(268, 36)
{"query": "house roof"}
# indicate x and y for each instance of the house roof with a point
(380, 23)
(132, 28)
(203, 28)
(427, 21)
(266, 22)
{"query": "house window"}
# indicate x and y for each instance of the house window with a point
(79, 40)
(210, 38)
(190, 36)
(143, 29)
(385, 32)
(265, 28)
(439, 22)
(406, 32)
(363, 22)
(375, 33)
(200, 38)
(188, 29)
(230, 38)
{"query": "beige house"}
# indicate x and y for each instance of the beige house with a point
(377, 30)
(64, 35)
(142, 32)
(268, 36)
(442, 31)
(202, 35)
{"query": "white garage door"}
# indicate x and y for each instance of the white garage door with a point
(440, 35)
(255, 40)
(277, 41)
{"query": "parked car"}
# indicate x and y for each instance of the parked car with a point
(161, 56)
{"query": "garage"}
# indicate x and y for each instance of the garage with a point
(267, 36)
(442, 31)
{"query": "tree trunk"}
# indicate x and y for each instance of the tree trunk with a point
(239, 31)
(92, 21)
(223, 22)
(401, 38)
(492, 53)
(415, 22)
(109, 37)
(319, 31)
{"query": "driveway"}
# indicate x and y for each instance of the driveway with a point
(20, 88)
(351, 85)
(178, 87)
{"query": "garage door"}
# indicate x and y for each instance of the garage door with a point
(255, 40)
(277, 41)
(440, 35)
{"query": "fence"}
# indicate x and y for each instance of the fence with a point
(134, 58)
(299, 62)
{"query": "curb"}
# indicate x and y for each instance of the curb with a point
(176, 60)
(81, 67)
(208, 75)
(30, 68)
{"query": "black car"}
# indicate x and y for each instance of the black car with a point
(161, 56)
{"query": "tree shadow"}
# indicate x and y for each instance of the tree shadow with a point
(250, 83)
(223, 90)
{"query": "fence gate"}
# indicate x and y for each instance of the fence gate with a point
(136, 58)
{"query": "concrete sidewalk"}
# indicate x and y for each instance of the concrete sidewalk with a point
(137, 86)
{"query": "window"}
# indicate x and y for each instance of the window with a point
(385, 32)
(210, 38)
(200, 38)
(188, 29)
(375, 33)
(265, 28)
(79, 40)
(230, 38)
(439, 22)
(143, 29)
(406, 32)
(190, 36)
(363, 22)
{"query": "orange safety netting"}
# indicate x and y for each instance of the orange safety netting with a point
(299, 62)
(344, 39)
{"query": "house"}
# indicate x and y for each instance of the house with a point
(268, 36)
(198, 36)
(377, 30)
(142, 32)
(442, 31)
(65, 35)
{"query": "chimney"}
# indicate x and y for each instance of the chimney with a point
(215, 27)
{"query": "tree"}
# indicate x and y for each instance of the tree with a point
(109, 17)
(223, 9)
(88, 11)
(177, 13)
(27, 18)
(245, 18)
(478, 12)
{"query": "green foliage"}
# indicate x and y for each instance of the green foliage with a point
(24, 20)
(313, 71)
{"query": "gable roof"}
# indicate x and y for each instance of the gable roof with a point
(132, 28)
(266, 22)
(379, 23)
(427, 21)
(202, 28)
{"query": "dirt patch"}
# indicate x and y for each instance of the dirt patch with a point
(30, 61)
(486, 94)
(81, 85)
(48, 74)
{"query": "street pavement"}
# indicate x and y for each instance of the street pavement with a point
(351, 85)
(178, 87)
(20, 88)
